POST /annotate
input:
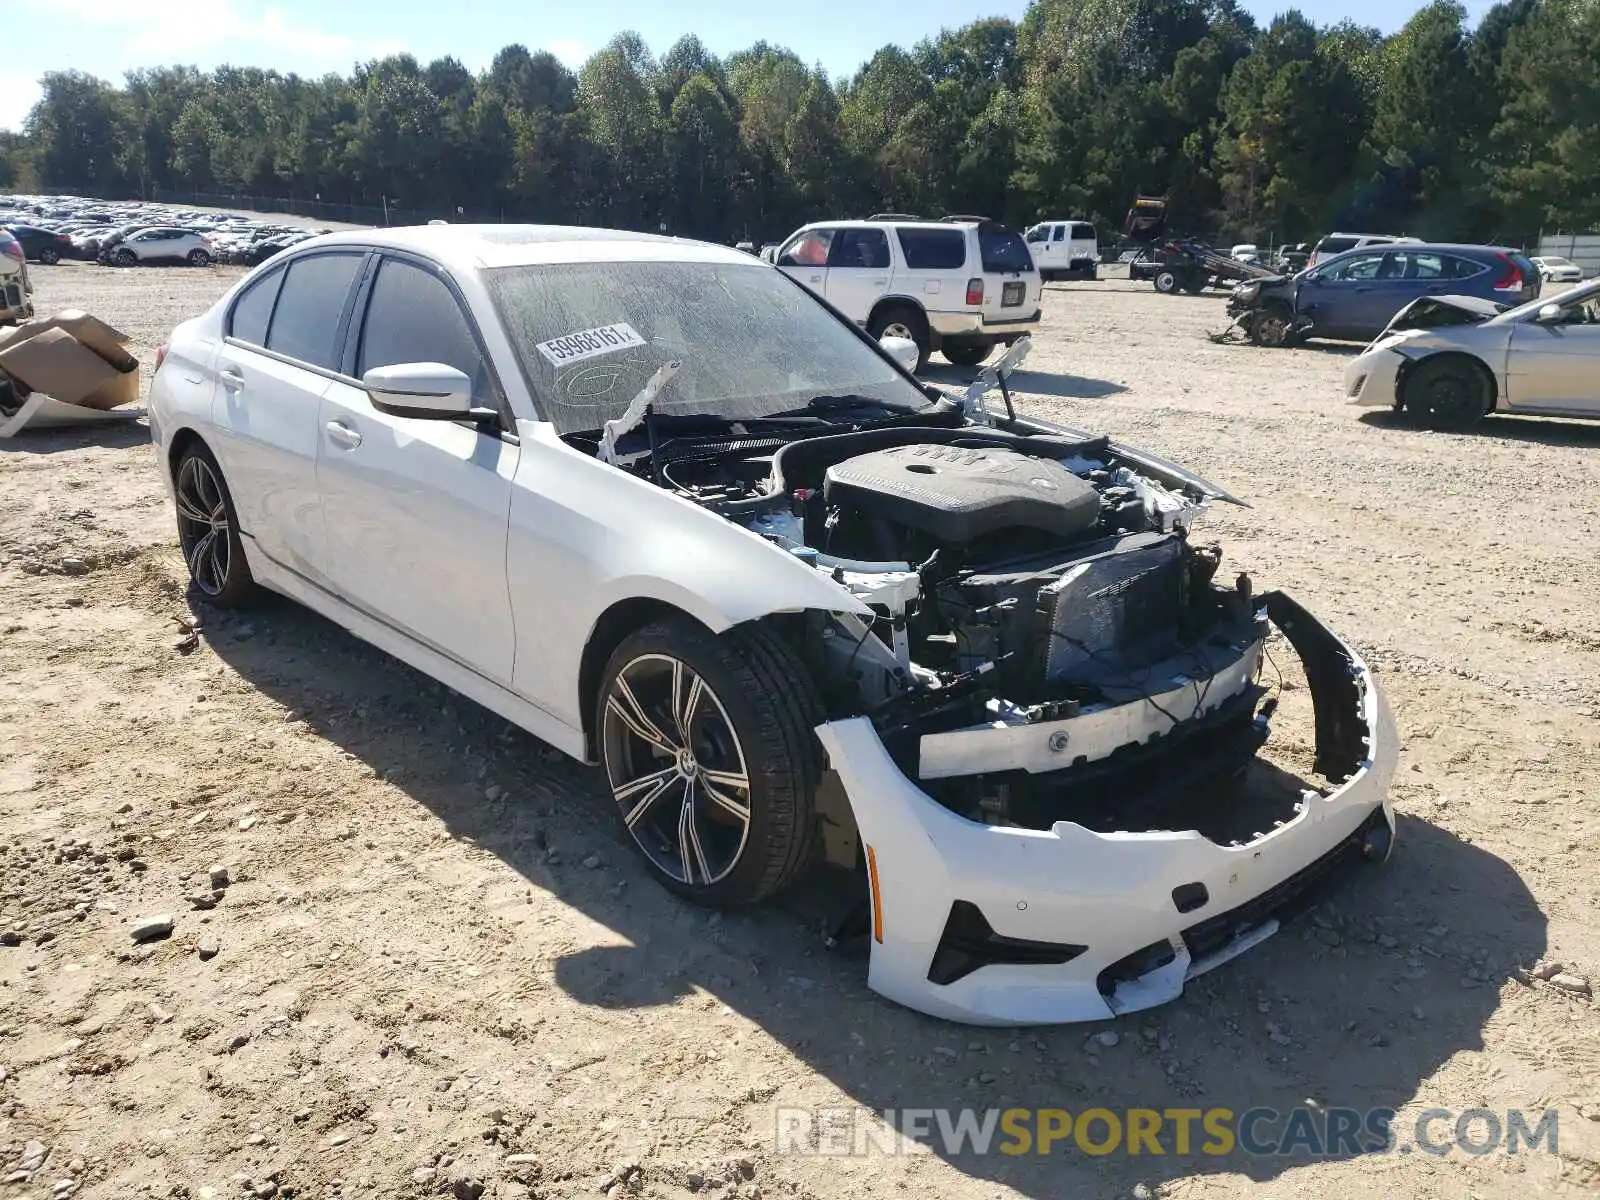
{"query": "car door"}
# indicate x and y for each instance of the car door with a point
(804, 258)
(1556, 364)
(282, 342)
(416, 510)
(1338, 296)
(858, 271)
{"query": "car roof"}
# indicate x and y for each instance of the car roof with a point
(1415, 247)
(861, 224)
(471, 247)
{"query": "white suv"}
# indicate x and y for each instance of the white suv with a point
(960, 286)
(163, 244)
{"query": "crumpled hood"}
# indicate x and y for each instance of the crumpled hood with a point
(1428, 312)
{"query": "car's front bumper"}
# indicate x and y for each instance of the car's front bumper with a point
(1372, 379)
(1119, 907)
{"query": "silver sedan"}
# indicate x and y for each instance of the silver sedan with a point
(1450, 360)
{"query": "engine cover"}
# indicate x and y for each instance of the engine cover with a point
(959, 493)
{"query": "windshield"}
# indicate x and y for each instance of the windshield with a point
(751, 342)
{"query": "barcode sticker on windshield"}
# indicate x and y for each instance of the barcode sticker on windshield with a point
(590, 343)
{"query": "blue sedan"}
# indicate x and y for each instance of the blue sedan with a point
(1355, 295)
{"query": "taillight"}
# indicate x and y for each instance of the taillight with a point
(12, 247)
(161, 355)
(1512, 280)
(974, 291)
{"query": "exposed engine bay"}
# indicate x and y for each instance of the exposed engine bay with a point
(1049, 638)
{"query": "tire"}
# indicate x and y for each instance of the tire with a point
(1449, 393)
(966, 354)
(1195, 284)
(49, 256)
(1166, 281)
(124, 257)
(750, 719)
(1272, 328)
(902, 320)
(208, 531)
(199, 258)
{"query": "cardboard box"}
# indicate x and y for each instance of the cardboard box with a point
(74, 358)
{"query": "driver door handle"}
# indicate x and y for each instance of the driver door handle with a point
(342, 435)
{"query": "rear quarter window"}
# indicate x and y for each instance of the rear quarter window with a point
(1003, 251)
(936, 249)
(1329, 246)
(252, 311)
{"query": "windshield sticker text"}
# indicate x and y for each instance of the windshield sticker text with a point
(590, 343)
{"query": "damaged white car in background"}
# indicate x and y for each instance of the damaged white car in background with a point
(653, 502)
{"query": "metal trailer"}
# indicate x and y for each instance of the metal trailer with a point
(1190, 266)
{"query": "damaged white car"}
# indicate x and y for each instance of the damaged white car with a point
(652, 501)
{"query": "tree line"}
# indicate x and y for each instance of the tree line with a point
(1261, 133)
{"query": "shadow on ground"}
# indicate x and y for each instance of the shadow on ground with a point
(118, 436)
(1544, 431)
(1356, 1007)
(1032, 383)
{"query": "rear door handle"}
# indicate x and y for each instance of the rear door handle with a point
(233, 379)
(816, 279)
(342, 435)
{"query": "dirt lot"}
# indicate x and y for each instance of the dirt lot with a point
(435, 969)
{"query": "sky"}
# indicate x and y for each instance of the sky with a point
(312, 37)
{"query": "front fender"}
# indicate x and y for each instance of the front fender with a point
(584, 537)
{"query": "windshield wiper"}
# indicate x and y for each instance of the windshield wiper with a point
(827, 404)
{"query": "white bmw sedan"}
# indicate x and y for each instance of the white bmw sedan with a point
(657, 504)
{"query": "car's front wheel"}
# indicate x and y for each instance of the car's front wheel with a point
(208, 531)
(1447, 393)
(707, 746)
(199, 258)
(1166, 281)
(1273, 328)
(124, 258)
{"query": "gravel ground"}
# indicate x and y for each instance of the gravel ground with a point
(431, 968)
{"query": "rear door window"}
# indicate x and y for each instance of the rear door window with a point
(935, 249)
(1003, 251)
(306, 322)
(1083, 232)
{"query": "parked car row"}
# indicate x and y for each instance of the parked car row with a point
(129, 233)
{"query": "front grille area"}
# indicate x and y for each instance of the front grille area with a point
(1284, 901)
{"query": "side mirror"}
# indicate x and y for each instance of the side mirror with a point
(903, 350)
(428, 391)
(1549, 314)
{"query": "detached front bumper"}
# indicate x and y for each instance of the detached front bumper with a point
(1011, 926)
(1372, 379)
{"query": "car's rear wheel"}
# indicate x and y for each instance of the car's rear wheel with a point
(964, 353)
(208, 531)
(1195, 284)
(902, 321)
(1166, 281)
(124, 258)
(49, 256)
(199, 258)
(1448, 393)
(707, 746)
